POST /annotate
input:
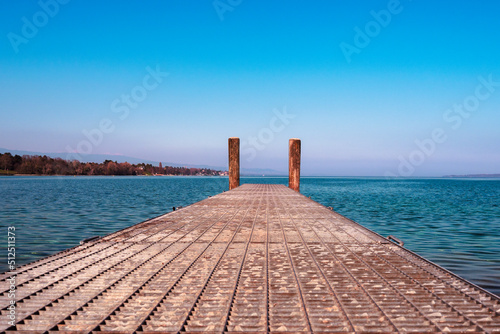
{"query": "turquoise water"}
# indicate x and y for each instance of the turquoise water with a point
(452, 222)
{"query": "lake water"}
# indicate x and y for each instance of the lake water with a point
(452, 222)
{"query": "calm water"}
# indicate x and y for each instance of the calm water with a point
(452, 222)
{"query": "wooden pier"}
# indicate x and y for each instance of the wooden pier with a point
(258, 258)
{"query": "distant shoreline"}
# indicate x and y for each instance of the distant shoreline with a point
(44, 165)
(117, 175)
(474, 176)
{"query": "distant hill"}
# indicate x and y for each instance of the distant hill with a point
(44, 165)
(474, 176)
(100, 158)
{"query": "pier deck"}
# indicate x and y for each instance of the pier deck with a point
(259, 258)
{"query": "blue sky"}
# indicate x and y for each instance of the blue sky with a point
(236, 67)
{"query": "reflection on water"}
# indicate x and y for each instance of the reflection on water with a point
(453, 222)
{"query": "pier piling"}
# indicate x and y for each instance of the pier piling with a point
(234, 162)
(294, 164)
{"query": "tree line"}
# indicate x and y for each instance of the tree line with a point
(44, 165)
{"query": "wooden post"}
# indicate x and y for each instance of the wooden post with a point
(234, 162)
(294, 164)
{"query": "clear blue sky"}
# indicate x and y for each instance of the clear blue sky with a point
(359, 101)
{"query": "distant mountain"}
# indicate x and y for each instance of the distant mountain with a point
(474, 176)
(99, 158)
